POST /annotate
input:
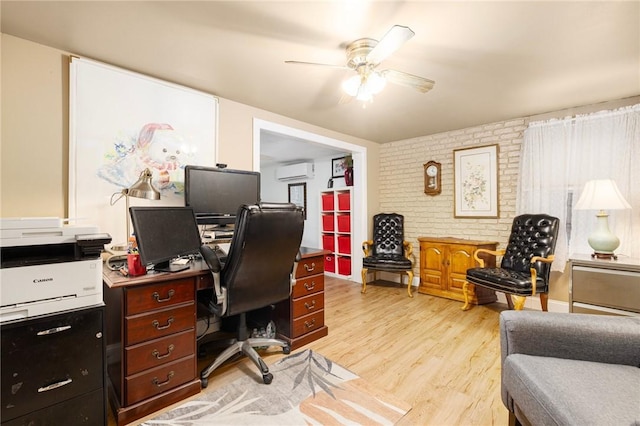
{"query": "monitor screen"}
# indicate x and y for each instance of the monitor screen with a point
(165, 233)
(215, 194)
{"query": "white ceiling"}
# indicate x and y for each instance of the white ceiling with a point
(491, 60)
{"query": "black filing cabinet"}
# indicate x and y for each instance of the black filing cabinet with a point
(52, 369)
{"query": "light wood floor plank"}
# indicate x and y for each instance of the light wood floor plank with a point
(444, 362)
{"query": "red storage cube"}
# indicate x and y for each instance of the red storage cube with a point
(344, 265)
(344, 223)
(329, 263)
(344, 201)
(327, 202)
(328, 243)
(327, 222)
(344, 244)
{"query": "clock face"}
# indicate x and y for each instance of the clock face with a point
(432, 170)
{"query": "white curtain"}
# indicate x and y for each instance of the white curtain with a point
(559, 156)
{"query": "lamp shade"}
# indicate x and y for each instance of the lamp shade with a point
(601, 194)
(143, 188)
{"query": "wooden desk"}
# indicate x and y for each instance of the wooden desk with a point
(151, 331)
(300, 320)
(151, 339)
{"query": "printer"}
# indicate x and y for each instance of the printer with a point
(48, 267)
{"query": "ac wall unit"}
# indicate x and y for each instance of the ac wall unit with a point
(295, 171)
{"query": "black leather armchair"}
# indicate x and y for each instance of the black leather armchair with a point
(388, 251)
(258, 272)
(526, 262)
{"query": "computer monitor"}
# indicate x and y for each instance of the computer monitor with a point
(164, 234)
(216, 193)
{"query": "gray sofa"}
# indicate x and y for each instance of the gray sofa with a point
(570, 369)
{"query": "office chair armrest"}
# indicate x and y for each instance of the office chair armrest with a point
(491, 252)
(365, 247)
(219, 306)
(408, 250)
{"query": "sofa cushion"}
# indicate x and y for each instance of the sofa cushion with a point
(555, 391)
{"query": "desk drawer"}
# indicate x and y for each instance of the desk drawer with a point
(145, 327)
(308, 323)
(605, 287)
(307, 286)
(50, 359)
(160, 351)
(157, 296)
(160, 379)
(308, 304)
(310, 266)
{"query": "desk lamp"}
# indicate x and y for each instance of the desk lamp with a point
(600, 195)
(143, 188)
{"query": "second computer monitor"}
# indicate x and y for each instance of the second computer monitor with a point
(216, 193)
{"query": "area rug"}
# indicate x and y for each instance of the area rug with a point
(307, 389)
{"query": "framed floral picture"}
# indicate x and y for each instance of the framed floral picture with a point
(475, 180)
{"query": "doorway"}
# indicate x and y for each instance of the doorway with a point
(359, 154)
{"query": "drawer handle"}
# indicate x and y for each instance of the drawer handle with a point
(54, 386)
(311, 324)
(156, 296)
(157, 325)
(156, 352)
(53, 330)
(310, 306)
(166, 382)
(310, 287)
(313, 266)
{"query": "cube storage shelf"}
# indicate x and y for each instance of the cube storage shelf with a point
(336, 226)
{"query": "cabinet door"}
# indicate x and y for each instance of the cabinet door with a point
(460, 259)
(432, 266)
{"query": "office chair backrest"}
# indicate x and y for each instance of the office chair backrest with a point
(531, 235)
(388, 234)
(263, 250)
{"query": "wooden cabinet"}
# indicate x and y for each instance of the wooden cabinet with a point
(443, 268)
(151, 341)
(300, 319)
(336, 226)
(53, 369)
(602, 286)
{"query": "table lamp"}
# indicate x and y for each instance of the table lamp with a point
(143, 188)
(601, 195)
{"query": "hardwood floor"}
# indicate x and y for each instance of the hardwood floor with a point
(425, 350)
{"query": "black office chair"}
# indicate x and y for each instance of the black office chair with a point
(388, 251)
(258, 272)
(526, 262)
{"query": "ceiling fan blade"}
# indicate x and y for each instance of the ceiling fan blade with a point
(404, 79)
(392, 40)
(316, 64)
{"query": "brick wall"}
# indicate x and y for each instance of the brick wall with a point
(402, 183)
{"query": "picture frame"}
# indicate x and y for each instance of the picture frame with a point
(338, 167)
(298, 195)
(475, 181)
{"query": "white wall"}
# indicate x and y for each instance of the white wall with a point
(272, 189)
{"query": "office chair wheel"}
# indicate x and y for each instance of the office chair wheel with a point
(286, 350)
(267, 378)
(204, 381)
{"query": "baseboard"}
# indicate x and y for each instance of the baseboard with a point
(533, 303)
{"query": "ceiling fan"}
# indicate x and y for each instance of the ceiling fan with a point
(365, 54)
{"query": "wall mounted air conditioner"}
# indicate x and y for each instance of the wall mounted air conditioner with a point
(295, 171)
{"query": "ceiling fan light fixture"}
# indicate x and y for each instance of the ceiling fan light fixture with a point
(364, 87)
(351, 86)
